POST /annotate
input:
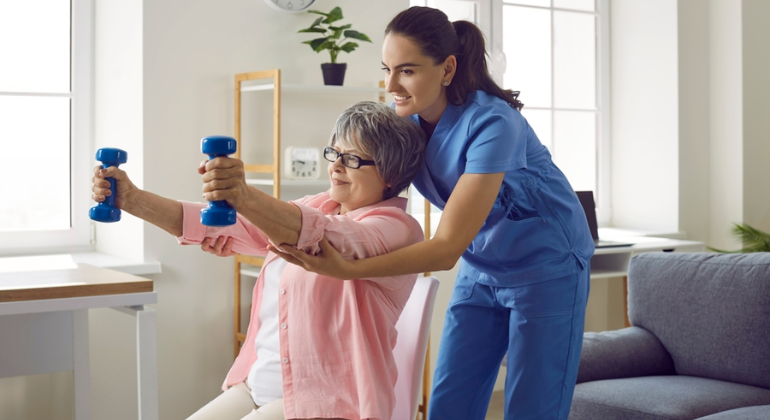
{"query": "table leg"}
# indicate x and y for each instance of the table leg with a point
(81, 369)
(146, 360)
(147, 364)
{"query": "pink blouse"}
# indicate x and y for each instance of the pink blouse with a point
(337, 337)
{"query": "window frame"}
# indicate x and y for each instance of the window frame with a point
(78, 237)
(491, 23)
(602, 111)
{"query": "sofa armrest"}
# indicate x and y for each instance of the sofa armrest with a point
(624, 353)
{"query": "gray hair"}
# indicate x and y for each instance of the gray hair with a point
(396, 144)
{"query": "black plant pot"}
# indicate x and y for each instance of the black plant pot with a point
(334, 73)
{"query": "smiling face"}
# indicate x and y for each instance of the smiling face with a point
(354, 188)
(414, 80)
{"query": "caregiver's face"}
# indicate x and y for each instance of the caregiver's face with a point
(413, 79)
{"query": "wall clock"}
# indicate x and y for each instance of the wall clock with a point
(301, 163)
(292, 6)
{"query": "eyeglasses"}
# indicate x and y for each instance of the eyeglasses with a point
(348, 160)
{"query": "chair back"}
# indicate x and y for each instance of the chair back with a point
(413, 331)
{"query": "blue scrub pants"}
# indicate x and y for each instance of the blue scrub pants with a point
(539, 325)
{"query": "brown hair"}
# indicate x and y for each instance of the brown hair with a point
(438, 38)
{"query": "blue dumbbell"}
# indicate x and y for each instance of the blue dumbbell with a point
(218, 213)
(106, 211)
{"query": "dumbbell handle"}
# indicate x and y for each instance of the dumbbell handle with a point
(218, 213)
(110, 199)
(106, 210)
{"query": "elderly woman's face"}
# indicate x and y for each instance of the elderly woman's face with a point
(354, 188)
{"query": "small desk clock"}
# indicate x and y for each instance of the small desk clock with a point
(302, 163)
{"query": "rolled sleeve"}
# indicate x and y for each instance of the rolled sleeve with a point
(247, 238)
(312, 230)
(193, 232)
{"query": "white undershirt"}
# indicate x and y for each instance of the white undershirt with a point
(265, 379)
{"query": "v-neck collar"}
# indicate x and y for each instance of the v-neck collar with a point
(437, 140)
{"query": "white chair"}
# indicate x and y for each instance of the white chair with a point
(411, 347)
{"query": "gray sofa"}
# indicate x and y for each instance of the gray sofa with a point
(699, 347)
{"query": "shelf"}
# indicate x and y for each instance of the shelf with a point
(312, 88)
(250, 273)
(292, 182)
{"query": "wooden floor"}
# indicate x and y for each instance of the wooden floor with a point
(496, 406)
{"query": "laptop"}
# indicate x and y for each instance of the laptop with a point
(589, 207)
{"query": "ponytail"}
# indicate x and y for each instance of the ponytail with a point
(472, 73)
(438, 38)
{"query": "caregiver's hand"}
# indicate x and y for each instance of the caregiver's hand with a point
(224, 179)
(101, 187)
(328, 262)
(220, 246)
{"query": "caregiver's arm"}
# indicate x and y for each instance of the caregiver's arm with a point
(225, 179)
(462, 219)
(160, 211)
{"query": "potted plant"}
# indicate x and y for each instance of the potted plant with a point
(753, 239)
(333, 40)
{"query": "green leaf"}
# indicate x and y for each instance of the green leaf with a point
(334, 15)
(337, 28)
(318, 13)
(335, 35)
(722, 250)
(316, 44)
(349, 46)
(357, 35)
(314, 30)
(754, 240)
(317, 21)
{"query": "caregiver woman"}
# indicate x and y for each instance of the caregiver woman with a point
(509, 215)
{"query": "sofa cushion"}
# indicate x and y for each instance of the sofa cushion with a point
(709, 311)
(759, 412)
(661, 398)
(623, 353)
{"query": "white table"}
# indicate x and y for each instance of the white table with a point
(44, 326)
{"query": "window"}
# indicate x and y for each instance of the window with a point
(553, 52)
(45, 89)
(554, 56)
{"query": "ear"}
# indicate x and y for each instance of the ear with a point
(450, 66)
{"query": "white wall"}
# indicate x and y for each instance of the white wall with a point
(756, 113)
(644, 108)
(690, 136)
(726, 118)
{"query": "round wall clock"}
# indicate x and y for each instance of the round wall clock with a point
(291, 6)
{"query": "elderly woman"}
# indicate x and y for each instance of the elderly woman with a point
(316, 347)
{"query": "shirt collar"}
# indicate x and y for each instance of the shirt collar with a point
(332, 207)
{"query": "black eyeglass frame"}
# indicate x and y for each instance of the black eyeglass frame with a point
(361, 162)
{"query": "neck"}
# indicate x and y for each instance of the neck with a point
(433, 114)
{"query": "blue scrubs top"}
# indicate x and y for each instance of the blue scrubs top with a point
(537, 230)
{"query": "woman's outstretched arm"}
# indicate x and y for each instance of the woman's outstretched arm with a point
(462, 219)
(225, 179)
(160, 211)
